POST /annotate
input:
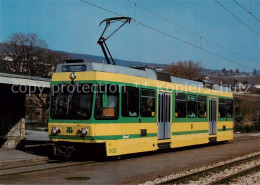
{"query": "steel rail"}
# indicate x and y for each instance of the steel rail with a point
(196, 175)
(40, 167)
(53, 164)
(230, 178)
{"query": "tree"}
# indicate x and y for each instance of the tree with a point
(245, 82)
(224, 70)
(36, 101)
(237, 71)
(4, 66)
(186, 69)
(29, 55)
(246, 106)
(235, 82)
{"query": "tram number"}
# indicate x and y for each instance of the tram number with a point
(112, 150)
(69, 130)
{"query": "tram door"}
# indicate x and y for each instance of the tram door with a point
(212, 116)
(164, 115)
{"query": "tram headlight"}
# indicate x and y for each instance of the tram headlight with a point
(84, 131)
(55, 130)
(73, 76)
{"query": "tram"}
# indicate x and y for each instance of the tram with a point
(123, 110)
(133, 110)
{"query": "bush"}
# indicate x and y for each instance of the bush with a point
(246, 127)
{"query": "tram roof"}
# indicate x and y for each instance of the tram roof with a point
(82, 65)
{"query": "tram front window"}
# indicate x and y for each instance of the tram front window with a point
(71, 101)
(107, 102)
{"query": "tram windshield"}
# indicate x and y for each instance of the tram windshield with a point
(71, 101)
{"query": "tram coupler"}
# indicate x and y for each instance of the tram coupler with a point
(63, 150)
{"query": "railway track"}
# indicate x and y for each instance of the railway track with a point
(232, 177)
(219, 173)
(52, 164)
(40, 167)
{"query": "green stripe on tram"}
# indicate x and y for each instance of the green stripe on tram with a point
(227, 129)
(111, 137)
(199, 131)
(190, 132)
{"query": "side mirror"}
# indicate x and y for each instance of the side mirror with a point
(104, 100)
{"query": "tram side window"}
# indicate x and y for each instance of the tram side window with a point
(130, 101)
(202, 106)
(229, 108)
(180, 105)
(222, 108)
(192, 107)
(147, 103)
(107, 104)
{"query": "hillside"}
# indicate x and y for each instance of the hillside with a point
(119, 62)
(126, 63)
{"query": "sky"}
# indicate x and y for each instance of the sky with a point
(73, 26)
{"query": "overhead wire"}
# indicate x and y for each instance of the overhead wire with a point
(250, 12)
(240, 20)
(171, 36)
(191, 32)
(198, 47)
(257, 3)
(170, 21)
(101, 8)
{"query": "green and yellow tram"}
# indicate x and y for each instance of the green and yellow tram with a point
(128, 110)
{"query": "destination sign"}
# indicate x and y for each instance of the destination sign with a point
(192, 98)
(74, 68)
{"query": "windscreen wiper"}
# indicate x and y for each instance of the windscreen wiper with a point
(102, 40)
(57, 100)
(70, 96)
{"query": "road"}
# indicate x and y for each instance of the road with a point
(32, 135)
(138, 169)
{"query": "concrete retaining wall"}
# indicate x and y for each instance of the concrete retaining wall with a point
(15, 135)
(12, 114)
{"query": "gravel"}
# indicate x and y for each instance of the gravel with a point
(211, 177)
(253, 178)
(220, 174)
